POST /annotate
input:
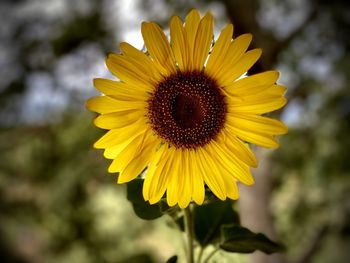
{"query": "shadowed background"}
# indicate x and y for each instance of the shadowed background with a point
(58, 204)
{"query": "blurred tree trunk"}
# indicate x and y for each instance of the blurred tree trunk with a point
(254, 206)
(255, 201)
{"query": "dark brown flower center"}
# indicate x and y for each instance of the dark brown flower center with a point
(187, 109)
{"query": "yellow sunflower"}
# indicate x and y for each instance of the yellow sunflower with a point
(183, 111)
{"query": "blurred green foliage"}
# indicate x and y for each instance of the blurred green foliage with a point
(58, 204)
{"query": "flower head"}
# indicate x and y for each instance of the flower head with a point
(184, 111)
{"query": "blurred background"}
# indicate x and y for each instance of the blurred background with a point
(57, 201)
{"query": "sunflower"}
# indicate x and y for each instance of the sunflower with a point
(185, 111)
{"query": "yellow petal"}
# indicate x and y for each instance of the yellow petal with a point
(234, 53)
(129, 72)
(211, 174)
(117, 136)
(106, 104)
(231, 185)
(173, 185)
(256, 123)
(258, 104)
(160, 178)
(179, 43)
(141, 59)
(237, 148)
(139, 162)
(180, 175)
(130, 51)
(127, 155)
(269, 92)
(217, 56)
(276, 90)
(150, 173)
(191, 26)
(186, 194)
(253, 84)
(203, 42)
(158, 46)
(198, 192)
(261, 93)
(261, 139)
(111, 152)
(231, 164)
(239, 68)
(120, 90)
(117, 120)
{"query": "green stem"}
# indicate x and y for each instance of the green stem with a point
(210, 255)
(189, 233)
(200, 254)
(176, 225)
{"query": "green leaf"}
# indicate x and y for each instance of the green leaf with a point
(142, 208)
(180, 222)
(209, 218)
(241, 240)
(173, 259)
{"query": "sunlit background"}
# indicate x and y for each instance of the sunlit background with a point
(57, 201)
